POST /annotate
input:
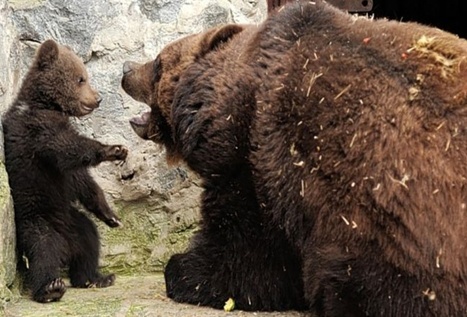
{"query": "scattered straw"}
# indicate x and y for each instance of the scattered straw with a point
(413, 93)
(26, 261)
(314, 169)
(279, 88)
(448, 143)
(293, 151)
(312, 82)
(401, 182)
(441, 125)
(430, 294)
(353, 140)
(438, 51)
(342, 92)
(438, 258)
(345, 220)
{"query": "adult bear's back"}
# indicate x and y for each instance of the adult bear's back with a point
(362, 149)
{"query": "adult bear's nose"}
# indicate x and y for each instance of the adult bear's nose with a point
(128, 67)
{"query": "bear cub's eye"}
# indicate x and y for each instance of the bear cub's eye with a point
(81, 80)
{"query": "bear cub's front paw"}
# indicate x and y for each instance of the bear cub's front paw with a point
(113, 222)
(115, 153)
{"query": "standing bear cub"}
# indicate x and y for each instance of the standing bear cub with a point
(47, 162)
(348, 135)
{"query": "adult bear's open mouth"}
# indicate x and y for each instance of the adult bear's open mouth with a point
(140, 124)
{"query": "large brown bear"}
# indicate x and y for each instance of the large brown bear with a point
(47, 162)
(238, 252)
(354, 134)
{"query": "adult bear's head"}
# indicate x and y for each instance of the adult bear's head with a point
(156, 82)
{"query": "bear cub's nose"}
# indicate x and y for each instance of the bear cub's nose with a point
(99, 100)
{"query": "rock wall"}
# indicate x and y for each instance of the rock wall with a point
(158, 204)
(7, 228)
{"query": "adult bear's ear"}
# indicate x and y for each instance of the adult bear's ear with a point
(216, 37)
(47, 54)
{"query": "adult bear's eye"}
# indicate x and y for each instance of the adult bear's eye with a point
(81, 80)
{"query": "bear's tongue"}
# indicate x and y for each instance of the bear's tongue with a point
(142, 119)
(140, 124)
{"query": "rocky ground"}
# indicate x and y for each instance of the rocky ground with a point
(136, 296)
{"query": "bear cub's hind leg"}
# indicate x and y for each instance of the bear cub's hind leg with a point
(50, 292)
(84, 271)
(44, 254)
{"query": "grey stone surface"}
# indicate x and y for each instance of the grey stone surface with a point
(7, 228)
(159, 205)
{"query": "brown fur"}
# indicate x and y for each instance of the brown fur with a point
(56, 91)
(237, 253)
(354, 131)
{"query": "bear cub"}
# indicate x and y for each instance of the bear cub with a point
(47, 162)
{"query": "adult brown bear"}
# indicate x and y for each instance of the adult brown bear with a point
(354, 134)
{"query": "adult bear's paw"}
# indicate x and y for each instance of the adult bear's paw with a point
(189, 280)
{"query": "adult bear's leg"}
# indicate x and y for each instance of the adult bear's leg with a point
(237, 254)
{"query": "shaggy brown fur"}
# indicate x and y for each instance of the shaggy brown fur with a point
(238, 253)
(355, 133)
(47, 163)
(448, 16)
(274, 4)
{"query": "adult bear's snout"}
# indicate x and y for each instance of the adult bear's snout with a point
(128, 67)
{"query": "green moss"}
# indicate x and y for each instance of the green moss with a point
(146, 241)
(135, 310)
(7, 237)
(70, 305)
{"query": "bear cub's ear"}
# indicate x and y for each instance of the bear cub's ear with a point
(48, 53)
(219, 36)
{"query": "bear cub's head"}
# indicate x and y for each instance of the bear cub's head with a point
(58, 80)
(156, 82)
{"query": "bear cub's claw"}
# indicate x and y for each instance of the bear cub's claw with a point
(114, 222)
(51, 292)
(116, 152)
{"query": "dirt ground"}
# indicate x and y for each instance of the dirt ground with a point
(130, 297)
